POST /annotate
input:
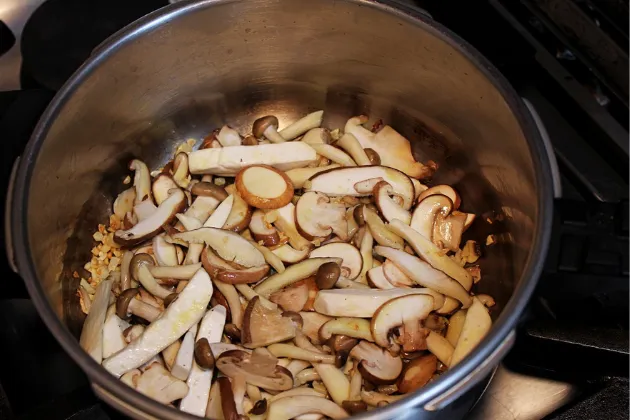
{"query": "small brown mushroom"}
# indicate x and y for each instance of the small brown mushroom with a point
(203, 354)
(232, 332)
(341, 346)
(260, 407)
(250, 141)
(209, 189)
(126, 304)
(354, 407)
(267, 126)
(327, 275)
(374, 157)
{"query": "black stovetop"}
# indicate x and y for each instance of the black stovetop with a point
(575, 334)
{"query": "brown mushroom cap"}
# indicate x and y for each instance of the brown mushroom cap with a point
(327, 275)
(122, 303)
(203, 354)
(232, 332)
(170, 299)
(209, 189)
(417, 373)
(260, 407)
(377, 365)
(138, 260)
(341, 346)
(374, 157)
(354, 407)
(262, 123)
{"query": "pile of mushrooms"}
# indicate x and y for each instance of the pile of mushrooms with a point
(292, 273)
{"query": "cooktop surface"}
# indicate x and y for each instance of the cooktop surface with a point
(568, 58)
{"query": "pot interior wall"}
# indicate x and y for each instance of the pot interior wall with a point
(231, 62)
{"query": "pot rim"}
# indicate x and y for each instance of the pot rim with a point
(506, 321)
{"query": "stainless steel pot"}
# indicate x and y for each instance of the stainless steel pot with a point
(186, 69)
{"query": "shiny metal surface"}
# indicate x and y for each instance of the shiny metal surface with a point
(191, 67)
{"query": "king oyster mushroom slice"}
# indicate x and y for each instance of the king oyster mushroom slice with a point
(376, 278)
(426, 212)
(334, 154)
(455, 325)
(258, 369)
(341, 182)
(336, 383)
(219, 217)
(446, 190)
(388, 207)
(165, 253)
(151, 226)
(295, 297)
(292, 274)
(406, 311)
(222, 271)
(450, 305)
(157, 383)
(311, 324)
(264, 187)
(350, 144)
(296, 406)
(448, 230)
(202, 207)
(229, 137)
(350, 327)
(113, 338)
(440, 347)
(263, 326)
(230, 160)
(352, 261)
(162, 184)
(394, 149)
(184, 359)
(309, 122)
(418, 187)
(376, 365)
(141, 180)
(431, 253)
(200, 378)
(423, 274)
(262, 231)
(180, 315)
(300, 175)
(476, 326)
(91, 339)
(379, 231)
(124, 202)
(284, 219)
(317, 136)
(240, 215)
(181, 176)
(395, 275)
(228, 245)
(288, 254)
(233, 301)
(144, 210)
(317, 217)
(363, 303)
(293, 352)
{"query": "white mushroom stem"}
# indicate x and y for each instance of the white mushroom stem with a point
(366, 253)
(92, 333)
(294, 392)
(350, 144)
(271, 258)
(141, 180)
(301, 126)
(292, 407)
(355, 383)
(351, 327)
(292, 275)
(113, 339)
(455, 324)
(335, 381)
(303, 342)
(293, 352)
(440, 347)
(306, 376)
(181, 176)
(157, 383)
(253, 392)
(164, 252)
(180, 272)
(231, 295)
(334, 154)
(169, 354)
(150, 284)
(229, 137)
(300, 175)
(184, 359)
(143, 310)
(249, 294)
(476, 326)
(297, 366)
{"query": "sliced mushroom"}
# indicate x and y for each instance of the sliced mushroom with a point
(263, 326)
(184, 359)
(165, 253)
(113, 338)
(405, 311)
(228, 245)
(395, 275)
(181, 176)
(182, 314)
(267, 126)
(269, 376)
(379, 231)
(300, 175)
(446, 190)
(367, 241)
(377, 365)
(178, 272)
(334, 154)
(125, 201)
(233, 301)
(271, 258)
(292, 298)
(292, 274)
(209, 189)
(418, 187)
(455, 325)
(126, 304)
(151, 226)
(157, 383)
(376, 278)
(288, 254)
(423, 274)
(293, 352)
(352, 261)
(224, 272)
(349, 327)
(431, 253)
(450, 305)
(376, 399)
(394, 149)
(335, 381)
(417, 373)
(363, 303)
(144, 210)
(249, 294)
(440, 347)
(341, 182)
(388, 207)
(140, 264)
(295, 406)
(141, 180)
(91, 339)
(284, 219)
(228, 137)
(200, 378)
(351, 145)
(311, 324)
(264, 187)
(230, 160)
(426, 213)
(228, 405)
(240, 215)
(307, 375)
(317, 136)
(316, 217)
(476, 326)
(133, 332)
(262, 231)
(303, 125)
